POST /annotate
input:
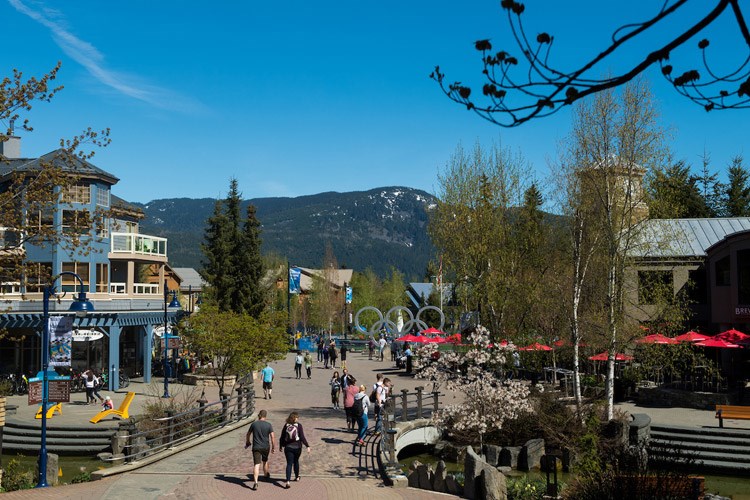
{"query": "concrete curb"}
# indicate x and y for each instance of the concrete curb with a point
(120, 469)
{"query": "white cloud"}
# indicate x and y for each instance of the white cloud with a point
(90, 58)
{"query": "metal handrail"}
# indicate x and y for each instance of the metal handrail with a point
(170, 430)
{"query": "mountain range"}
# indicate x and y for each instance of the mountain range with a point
(380, 228)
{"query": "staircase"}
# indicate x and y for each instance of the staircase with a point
(724, 451)
(25, 438)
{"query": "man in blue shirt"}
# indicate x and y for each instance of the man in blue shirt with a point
(267, 375)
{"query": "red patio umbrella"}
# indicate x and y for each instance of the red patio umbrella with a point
(410, 338)
(691, 336)
(714, 342)
(656, 338)
(536, 346)
(604, 356)
(436, 340)
(432, 331)
(732, 336)
(567, 343)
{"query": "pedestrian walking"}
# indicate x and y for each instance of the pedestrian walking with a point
(308, 364)
(371, 347)
(381, 344)
(320, 349)
(267, 374)
(298, 360)
(407, 354)
(333, 354)
(342, 351)
(381, 390)
(335, 389)
(91, 382)
(359, 410)
(351, 391)
(262, 442)
(325, 356)
(291, 442)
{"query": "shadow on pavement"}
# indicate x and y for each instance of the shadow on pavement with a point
(234, 480)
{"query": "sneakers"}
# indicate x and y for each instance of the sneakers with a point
(360, 442)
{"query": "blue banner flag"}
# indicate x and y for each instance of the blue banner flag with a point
(294, 277)
(348, 295)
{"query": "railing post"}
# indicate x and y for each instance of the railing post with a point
(224, 397)
(404, 405)
(435, 401)
(170, 427)
(201, 413)
(419, 400)
(240, 403)
(250, 396)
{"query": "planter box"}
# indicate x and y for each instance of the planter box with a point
(206, 380)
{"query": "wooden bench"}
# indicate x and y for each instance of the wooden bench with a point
(121, 411)
(50, 410)
(732, 412)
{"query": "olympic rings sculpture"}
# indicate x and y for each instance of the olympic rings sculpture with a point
(385, 322)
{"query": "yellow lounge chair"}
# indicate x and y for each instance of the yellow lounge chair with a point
(121, 412)
(50, 411)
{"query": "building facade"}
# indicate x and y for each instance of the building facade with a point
(123, 271)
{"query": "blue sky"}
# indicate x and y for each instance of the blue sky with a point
(296, 98)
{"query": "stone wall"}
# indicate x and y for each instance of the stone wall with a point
(671, 398)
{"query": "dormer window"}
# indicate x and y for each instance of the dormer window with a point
(77, 193)
(102, 197)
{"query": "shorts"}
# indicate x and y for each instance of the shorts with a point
(349, 415)
(267, 385)
(260, 456)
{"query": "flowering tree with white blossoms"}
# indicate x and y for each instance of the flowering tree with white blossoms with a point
(476, 371)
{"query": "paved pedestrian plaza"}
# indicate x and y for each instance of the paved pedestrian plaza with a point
(222, 468)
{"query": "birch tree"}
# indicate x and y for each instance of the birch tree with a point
(615, 140)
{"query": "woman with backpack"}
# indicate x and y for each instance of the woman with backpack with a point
(349, 393)
(291, 441)
(335, 389)
(333, 354)
(359, 410)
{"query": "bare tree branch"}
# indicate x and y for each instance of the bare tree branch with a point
(545, 89)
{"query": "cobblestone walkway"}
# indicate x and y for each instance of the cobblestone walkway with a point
(222, 468)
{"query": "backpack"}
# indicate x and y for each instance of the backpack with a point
(358, 409)
(374, 396)
(291, 433)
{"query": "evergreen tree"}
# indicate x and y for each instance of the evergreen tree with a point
(233, 266)
(217, 253)
(674, 193)
(250, 265)
(737, 193)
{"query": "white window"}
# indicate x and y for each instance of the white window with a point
(77, 193)
(102, 197)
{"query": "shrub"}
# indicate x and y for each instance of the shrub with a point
(524, 488)
(83, 477)
(17, 478)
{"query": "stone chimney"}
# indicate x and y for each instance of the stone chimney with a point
(10, 148)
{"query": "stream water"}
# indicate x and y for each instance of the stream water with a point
(70, 466)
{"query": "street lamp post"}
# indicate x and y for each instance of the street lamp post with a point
(81, 305)
(165, 336)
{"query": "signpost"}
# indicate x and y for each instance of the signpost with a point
(58, 388)
(174, 343)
